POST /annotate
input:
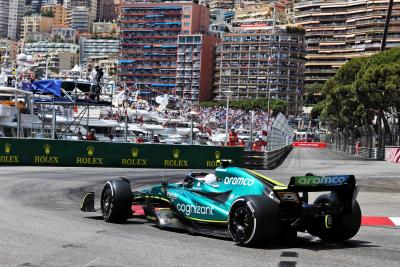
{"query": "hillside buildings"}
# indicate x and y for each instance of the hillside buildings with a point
(255, 62)
(149, 36)
(11, 14)
(339, 31)
(195, 66)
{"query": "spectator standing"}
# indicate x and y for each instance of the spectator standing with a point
(92, 135)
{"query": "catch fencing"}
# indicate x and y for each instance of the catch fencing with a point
(280, 139)
(361, 141)
(280, 134)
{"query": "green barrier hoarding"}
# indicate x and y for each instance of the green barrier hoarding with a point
(41, 152)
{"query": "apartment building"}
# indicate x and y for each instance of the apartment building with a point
(59, 13)
(36, 24)
(11, 14)
(49, 48)
(258, 62)
(195, 67)
(149, 32)
(339, 31)
(97, 48)
(79, 19)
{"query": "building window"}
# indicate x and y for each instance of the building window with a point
(186, 16)
(186, 31)
(186, 24)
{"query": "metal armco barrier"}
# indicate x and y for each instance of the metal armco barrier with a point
(41, 152)
(370, 153)
(265, 160)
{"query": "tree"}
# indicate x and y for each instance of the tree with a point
(364, 89)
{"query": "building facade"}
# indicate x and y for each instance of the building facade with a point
(195, 67)
(36, 24)
(59, 14)
(79, 19)
(89, 48)
(49, 47)
(148, 36)
(11, 16)
(339, 31)
(106, 10)
(257, 63)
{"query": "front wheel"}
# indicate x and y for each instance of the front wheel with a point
(116, 201)
(253, 218)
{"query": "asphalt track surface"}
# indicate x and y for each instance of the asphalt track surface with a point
(41, 225)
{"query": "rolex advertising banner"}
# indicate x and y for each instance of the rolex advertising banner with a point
(41, 152)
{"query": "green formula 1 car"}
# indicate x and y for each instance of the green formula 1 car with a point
(239, 203)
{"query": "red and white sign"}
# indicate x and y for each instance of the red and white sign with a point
(310, 144)
(392, 154)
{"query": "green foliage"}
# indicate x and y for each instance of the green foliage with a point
(48, 14)
(313, 93)
(362, 89)
(276, 105)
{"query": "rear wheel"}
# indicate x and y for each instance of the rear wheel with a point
(342, 227)
(253, 218)
(116, 201)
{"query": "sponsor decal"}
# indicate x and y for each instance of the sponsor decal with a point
(318, 180)
(194, 209)
(134, 161)
(46, 158)
(8, 158)
(89, 160)
(172, 196)
(239, 181)
(288, 196)
(175, 162)
(216, 162)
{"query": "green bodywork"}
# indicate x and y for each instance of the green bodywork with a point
(211, 202)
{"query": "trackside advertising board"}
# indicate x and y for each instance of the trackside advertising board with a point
(310, 144)
(42, 152)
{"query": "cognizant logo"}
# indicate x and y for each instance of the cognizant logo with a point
(194, 209)
(239, 181)
(329, 180)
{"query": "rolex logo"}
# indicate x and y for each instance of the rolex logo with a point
(47, 149)
(135, 152)
(176, 153)
(217, 154)
(90, 151)
(7, 148)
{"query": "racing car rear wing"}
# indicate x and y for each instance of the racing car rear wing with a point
(322, 183)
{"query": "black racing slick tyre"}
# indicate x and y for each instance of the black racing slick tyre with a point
(252, 219)
(116, 201)
(342, 228)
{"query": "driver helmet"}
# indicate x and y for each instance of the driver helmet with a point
(210, 178)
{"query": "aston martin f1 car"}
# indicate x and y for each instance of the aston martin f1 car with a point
(239, 203)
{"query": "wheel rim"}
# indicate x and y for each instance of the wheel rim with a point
(241, 223)
(106, 202)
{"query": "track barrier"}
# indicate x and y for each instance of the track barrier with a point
(265, 160)
(44, 152)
